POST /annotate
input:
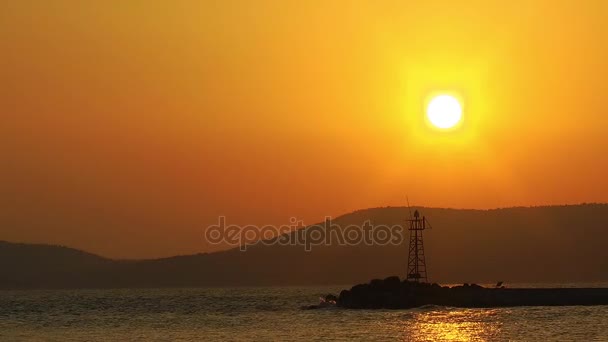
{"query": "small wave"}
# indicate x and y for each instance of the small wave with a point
(432, 307)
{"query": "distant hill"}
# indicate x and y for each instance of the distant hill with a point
(32, 266)
(556, 243)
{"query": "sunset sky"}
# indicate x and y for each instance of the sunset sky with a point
(127, 127)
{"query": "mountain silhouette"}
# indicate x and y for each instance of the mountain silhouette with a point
(536, 244)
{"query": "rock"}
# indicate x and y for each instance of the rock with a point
(391, 293)
(331, 298)
(376, 284)
(392, 283)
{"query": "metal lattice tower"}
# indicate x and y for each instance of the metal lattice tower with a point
(416, 264)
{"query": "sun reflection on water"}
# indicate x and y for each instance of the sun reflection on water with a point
(455, 325)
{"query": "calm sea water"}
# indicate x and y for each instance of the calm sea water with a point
(273, 314)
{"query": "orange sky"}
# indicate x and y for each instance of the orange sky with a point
(129, 126)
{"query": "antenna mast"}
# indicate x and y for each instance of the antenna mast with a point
(416, 264)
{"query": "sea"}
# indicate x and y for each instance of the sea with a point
(275, 314)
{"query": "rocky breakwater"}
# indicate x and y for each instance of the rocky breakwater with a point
(392, 293)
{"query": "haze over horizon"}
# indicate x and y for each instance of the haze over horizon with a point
(129, 127)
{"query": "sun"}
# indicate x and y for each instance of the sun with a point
(444, 111)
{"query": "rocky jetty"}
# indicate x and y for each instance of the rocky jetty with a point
(392, 293)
